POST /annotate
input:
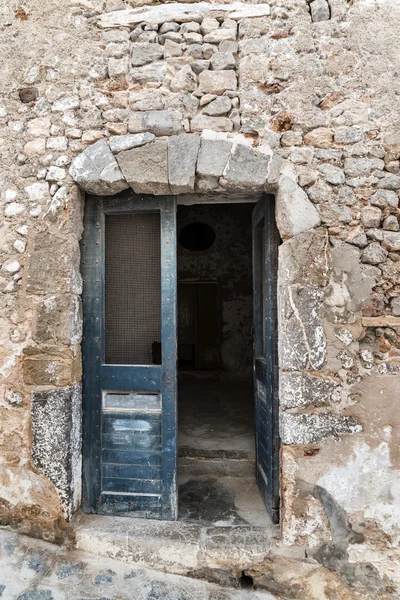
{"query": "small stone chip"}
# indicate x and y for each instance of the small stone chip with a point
(27, 95)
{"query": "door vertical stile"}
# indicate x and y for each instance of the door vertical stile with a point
(91, 269)
(169, 358)
(271, 283)
(265, 265)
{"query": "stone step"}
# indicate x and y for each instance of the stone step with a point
(217, 467)
(206, 552)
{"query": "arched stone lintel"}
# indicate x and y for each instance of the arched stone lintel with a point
(190, 163)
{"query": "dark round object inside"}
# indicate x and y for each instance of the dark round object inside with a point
(197, 237)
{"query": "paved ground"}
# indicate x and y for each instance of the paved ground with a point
(34, 570)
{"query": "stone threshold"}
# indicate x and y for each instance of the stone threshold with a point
(214, 553)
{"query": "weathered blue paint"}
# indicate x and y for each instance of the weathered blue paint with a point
(265, 266)
(129, 444)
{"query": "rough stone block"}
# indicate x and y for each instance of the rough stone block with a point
(320, 11)
(294, 212)
(146, 168)
(144, 53)
(300, 390)
(222, 61)
(198, 66)
(371, 216)
(51, 365)
(374, 254)
(117, 66)
(154, 73)
(202, 122)
(58, 319)
(96, 171)
(390, 182)
(185, 79)
(383, 198)
(357, 167)
(220, 106)
(53, 266)
(172, 49)
(182, 159)
(321, 137)
(247, 169)
(56, 441)
(217, 82)
(391, 241)
(158, 122)
(312, 428)
(220, 35)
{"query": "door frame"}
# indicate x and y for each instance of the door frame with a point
(129, 202)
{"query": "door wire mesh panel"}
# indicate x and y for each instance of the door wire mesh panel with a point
(132, 288)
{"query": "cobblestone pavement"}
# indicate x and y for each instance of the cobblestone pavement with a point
(34, 570)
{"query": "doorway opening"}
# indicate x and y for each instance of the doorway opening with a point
(216, 423)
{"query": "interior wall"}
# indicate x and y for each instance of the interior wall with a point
(229, 263)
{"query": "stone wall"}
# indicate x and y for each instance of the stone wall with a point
(307, 94)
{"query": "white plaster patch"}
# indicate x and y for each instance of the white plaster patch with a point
(368, 483)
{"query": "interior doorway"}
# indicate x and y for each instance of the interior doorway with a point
(216, 427)
(227, 437)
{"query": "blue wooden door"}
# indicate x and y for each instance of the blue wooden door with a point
(265, 264)
(129, 356)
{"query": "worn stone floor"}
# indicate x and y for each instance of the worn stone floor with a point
(35, 570)
(216, 415)
(222, 501)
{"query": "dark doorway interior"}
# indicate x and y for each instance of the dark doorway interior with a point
(198, 325)
(215, 357)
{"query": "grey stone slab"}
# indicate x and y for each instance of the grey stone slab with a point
(247, 169)
(312, 428)
(96, 171)
(146, 168)
(213, 157)
(158, 122)
(248, 546)
(53, 266)
(293, 211)
(180, 13)
(56, 441)
(118, 143)
(58, 319)
(302, 342)
(300, 390)
(79, 575)
(182, 158)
